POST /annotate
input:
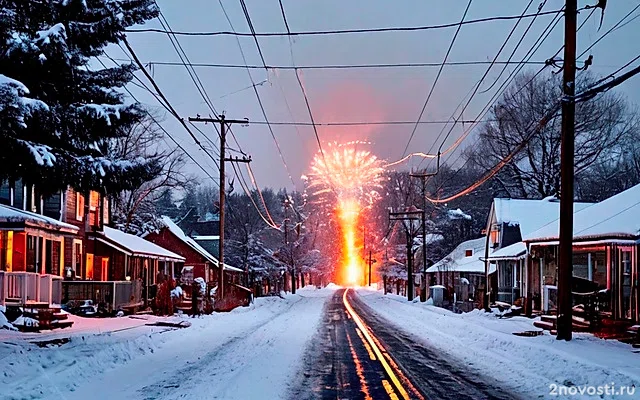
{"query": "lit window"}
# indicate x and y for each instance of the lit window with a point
(79, 206)
(105, 210)
(468, 253)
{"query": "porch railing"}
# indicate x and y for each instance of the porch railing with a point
(115, 294)
(27, 287)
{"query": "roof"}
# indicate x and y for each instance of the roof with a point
(12, 215)
(529, 214)
(206, 237)
(457, 262)
(514, 251)
(616, 217)
(138, 246)
(179, 233)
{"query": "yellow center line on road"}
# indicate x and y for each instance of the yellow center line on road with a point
(366, 345)
(393, 376)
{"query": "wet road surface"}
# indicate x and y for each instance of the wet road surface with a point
(359, 355)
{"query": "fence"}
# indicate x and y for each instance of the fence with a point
(115, 294)
(25, 287)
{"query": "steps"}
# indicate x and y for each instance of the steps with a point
(549, 323)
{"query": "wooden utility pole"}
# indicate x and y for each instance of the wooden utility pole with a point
(411, 216)
(223, 121)
(423, 178)
(565, 259)
(289, 250)
(370, 261)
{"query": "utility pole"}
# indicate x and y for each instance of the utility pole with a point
(423, 178)
(370, 260)
(290, 259)
(411, 216)
(565, 259)
(223, 121)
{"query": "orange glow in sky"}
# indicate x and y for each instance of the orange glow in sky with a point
(347, 176)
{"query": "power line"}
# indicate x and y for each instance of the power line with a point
(159, 92)
(357, 123)
(435, 82)
(581, 97)
(484, 76)
(609, 31)
(342, 66)
(255, 89)
(346, 31)
(301, 85)
(188, 154)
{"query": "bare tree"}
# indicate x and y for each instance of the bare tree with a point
(134, 210)
(601, 125)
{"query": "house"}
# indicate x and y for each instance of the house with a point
(74, 241)
(202, 262)
(508, 222)
(462, 273)
(606, 237)
(31, 256)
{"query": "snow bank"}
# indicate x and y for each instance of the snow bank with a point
(4, 322)
(529, 365)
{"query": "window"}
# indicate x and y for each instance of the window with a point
(495, 236)
(79, 206)
(468, 252)
(94, 200)
(105, 211)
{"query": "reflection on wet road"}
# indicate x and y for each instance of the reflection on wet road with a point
(358, 355)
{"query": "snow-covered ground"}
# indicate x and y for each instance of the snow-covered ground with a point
(528, 365)
(251, 352)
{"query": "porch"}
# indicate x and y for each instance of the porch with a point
(29, 288)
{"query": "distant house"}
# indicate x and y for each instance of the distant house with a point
(508, 222)
(606, 238)
(461, 272)
(203, 263)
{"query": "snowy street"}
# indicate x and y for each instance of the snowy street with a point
(215, 358)
(316, 344)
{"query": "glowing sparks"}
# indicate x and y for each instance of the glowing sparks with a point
(352, 175)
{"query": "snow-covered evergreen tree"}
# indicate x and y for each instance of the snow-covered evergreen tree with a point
(58, 114)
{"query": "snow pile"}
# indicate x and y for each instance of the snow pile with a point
(203, 285)
(176, 293)
(26, 322)
(458, 214)
(4, 322)
(529, 365)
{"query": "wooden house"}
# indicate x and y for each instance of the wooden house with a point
(461, 273)
(203, 263)
(605, 266)
(508, 222)
(66, 235)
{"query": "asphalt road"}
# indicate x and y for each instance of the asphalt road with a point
(359, 355)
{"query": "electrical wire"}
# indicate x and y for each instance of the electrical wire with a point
(435, 82)
(342, 66)
(255, 89)
(188, 154)
(345, 31)
(300, 84)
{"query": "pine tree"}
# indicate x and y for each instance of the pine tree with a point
(59, 134)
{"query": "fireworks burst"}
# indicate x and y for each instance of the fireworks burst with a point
(347, 178)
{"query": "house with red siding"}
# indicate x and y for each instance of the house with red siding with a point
(199, 263)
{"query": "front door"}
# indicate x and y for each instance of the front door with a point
(625, 283)
(89, 267)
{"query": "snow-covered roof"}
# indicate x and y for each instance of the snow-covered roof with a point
(12, 215)
(206, 237)
(138, 246)
(456, 261)
(529, 214)
(458, 214)
(618, 216)
(179, 233)
(514, 251)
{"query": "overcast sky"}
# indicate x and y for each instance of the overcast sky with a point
(354, 94)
